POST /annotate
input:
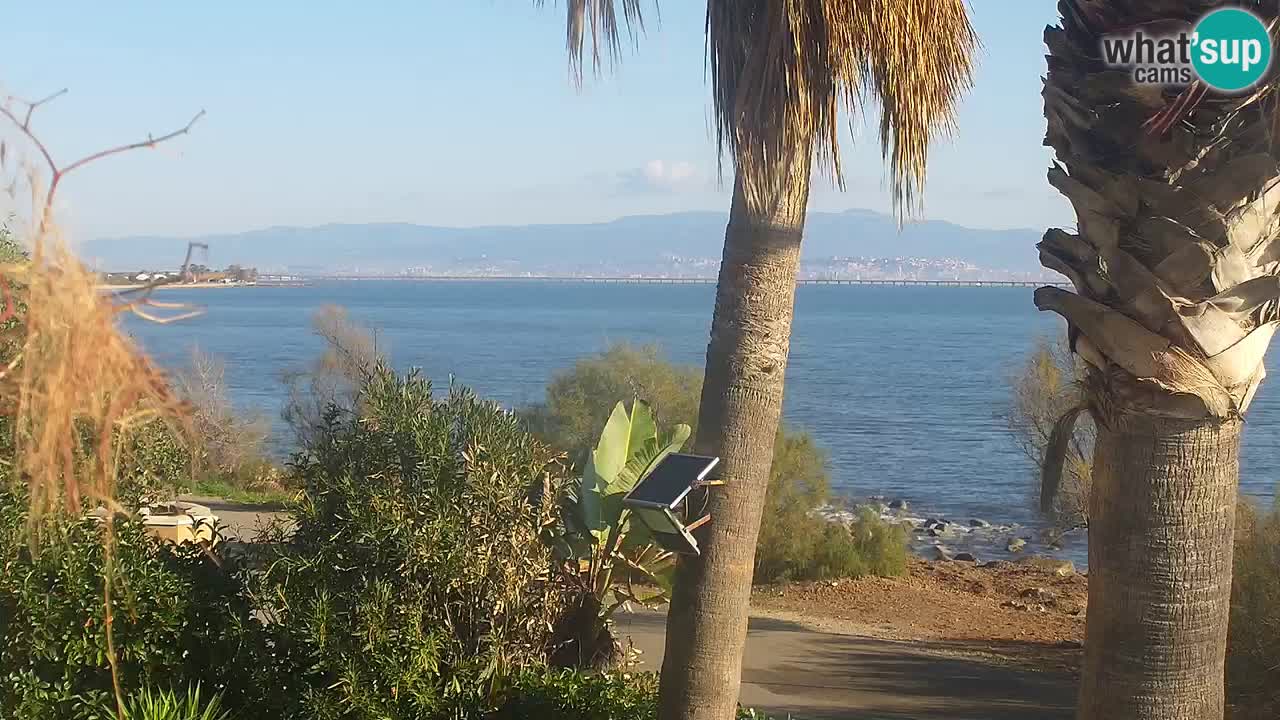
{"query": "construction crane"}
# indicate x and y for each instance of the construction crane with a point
(187, 275)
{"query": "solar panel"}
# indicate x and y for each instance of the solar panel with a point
(667, 531)
(682, 544)
(671, 480)
(658, 521)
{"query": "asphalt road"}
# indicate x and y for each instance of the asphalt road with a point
(792, 669)
(238, 521)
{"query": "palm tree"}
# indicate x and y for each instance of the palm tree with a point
(782, 72)
(1175, 270)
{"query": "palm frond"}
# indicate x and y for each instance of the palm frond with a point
(598, 21)
(1177, 194)
(783, 69)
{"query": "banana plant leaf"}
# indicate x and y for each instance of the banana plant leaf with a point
(621, 433)
(629, 447)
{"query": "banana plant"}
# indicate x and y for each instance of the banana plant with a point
(605, 551)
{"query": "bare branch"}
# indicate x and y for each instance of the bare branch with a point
(59, 172)
(31, 106)
(26, 130)
(150, 142)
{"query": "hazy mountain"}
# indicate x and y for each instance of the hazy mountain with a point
(629, 244)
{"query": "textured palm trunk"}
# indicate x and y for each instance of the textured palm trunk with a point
(1162, 516)
(737, 421)
(1177, 296)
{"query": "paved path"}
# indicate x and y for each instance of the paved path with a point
(239, 521)
(790, 668)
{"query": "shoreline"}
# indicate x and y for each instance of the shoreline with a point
(198, 286)
(932, 536)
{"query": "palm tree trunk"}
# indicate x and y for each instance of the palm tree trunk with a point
(1161, 522)
(1176, 269)
(737, 421)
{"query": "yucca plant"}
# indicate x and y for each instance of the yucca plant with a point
(783, 74)
(603, 551)
(1175, 268)
(153, 704)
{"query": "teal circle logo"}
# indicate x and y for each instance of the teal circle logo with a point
(1231, 49)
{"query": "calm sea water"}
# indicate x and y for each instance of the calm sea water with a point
(906, 387)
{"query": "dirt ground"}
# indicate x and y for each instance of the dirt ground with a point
(1027, 611)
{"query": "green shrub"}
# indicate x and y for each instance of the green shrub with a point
(1045, 387)
(790, 536)
(154, 460)
(177, 618)
(1253, 657)
(794, 543)
(881, 545)
(568, 695)
(415, 582)
(579, 400)
(818, 549)
(148, 704)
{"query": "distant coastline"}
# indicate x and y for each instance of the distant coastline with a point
(659, 280)
(601, 280)
(845, 244)
(199, 285)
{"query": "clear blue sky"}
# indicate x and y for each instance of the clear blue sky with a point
(449, 113)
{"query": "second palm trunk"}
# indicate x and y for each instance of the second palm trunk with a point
(1161, 524)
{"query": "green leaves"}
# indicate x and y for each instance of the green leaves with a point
(617, 552)
(177, 618)
(416, 578)
(630, 447)
(149, 704)
(647, 456)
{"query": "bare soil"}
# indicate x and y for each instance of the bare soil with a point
(1029, 612)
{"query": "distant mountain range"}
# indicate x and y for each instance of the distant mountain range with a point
(681, 243)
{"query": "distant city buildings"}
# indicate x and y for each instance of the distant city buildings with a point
(683, 267)
(195, 274)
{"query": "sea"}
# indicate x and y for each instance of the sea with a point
(907, 388)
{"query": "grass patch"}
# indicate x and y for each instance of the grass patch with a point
(229, 490)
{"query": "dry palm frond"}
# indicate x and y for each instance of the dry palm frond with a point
(75, 386)
(1176, 192)
(599, 20)
(783, 70)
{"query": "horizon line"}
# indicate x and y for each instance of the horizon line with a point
(406, 223)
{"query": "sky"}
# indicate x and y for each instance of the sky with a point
(451, 113)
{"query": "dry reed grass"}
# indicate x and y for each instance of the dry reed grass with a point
(75, 385)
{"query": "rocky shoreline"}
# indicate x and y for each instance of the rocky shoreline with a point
(935, 537)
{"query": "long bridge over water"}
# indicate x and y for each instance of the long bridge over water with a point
(669, 280)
